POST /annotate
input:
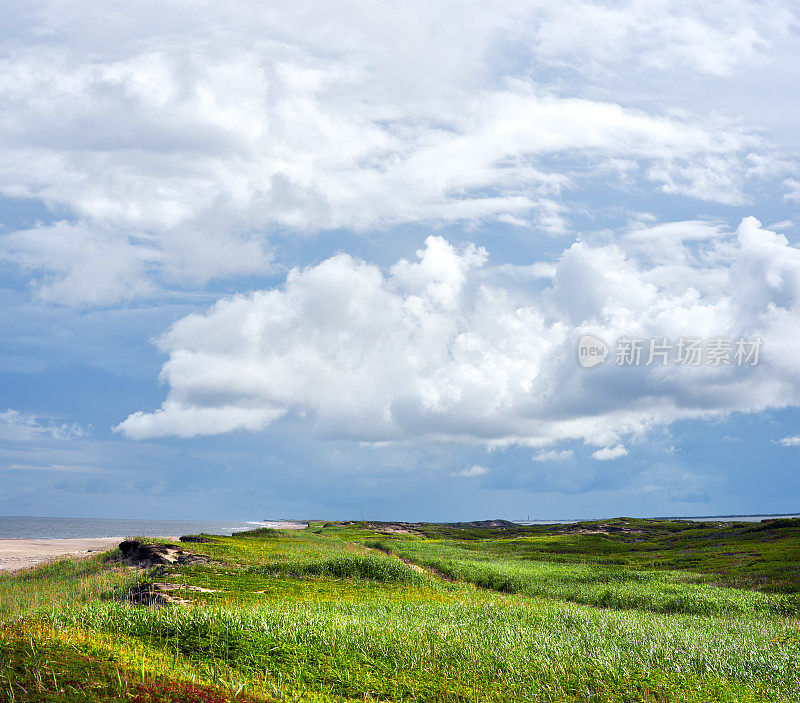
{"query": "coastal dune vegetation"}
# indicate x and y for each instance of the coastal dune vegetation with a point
(622, 611)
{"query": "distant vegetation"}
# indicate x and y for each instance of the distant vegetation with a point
(616, 611)
(762, 555)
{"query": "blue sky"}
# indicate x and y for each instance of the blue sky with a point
(302, 261)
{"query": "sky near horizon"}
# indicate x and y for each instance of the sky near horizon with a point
(334, 260)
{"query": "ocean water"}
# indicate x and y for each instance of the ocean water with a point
(42, 527)
(735, 518)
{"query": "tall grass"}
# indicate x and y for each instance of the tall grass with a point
(287, 547)
(314, 618)
(350, 566)
(501, 649)
(56, 585)
(603, 586)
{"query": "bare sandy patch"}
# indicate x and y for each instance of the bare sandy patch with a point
(18, 554)
(282, 525)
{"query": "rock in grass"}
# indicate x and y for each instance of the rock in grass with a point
(148, 594)
(141, 554)
(161, 593)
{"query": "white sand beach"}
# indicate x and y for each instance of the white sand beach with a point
(18, 554)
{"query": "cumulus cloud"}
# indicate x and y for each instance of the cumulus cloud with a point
(436, 349)
(471, 471)
(791, 441)
(178, 143)
(610, 453)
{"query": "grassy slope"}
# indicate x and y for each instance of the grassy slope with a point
(588, 583)
(763, 555)
(320, 616)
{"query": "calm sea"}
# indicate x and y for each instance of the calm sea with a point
(38, 527)
(43, 527)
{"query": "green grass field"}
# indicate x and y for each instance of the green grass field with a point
(630, 611)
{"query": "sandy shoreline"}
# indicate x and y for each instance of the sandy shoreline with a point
(18, 554)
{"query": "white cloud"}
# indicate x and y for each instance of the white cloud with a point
(553, 455)
(793, 441)
(433, 349)
(19, 427)
(78, 265)
(792, 194)
(475, 470)
(610, 453)
(176, 143)
(176, 418)
(661, 36)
